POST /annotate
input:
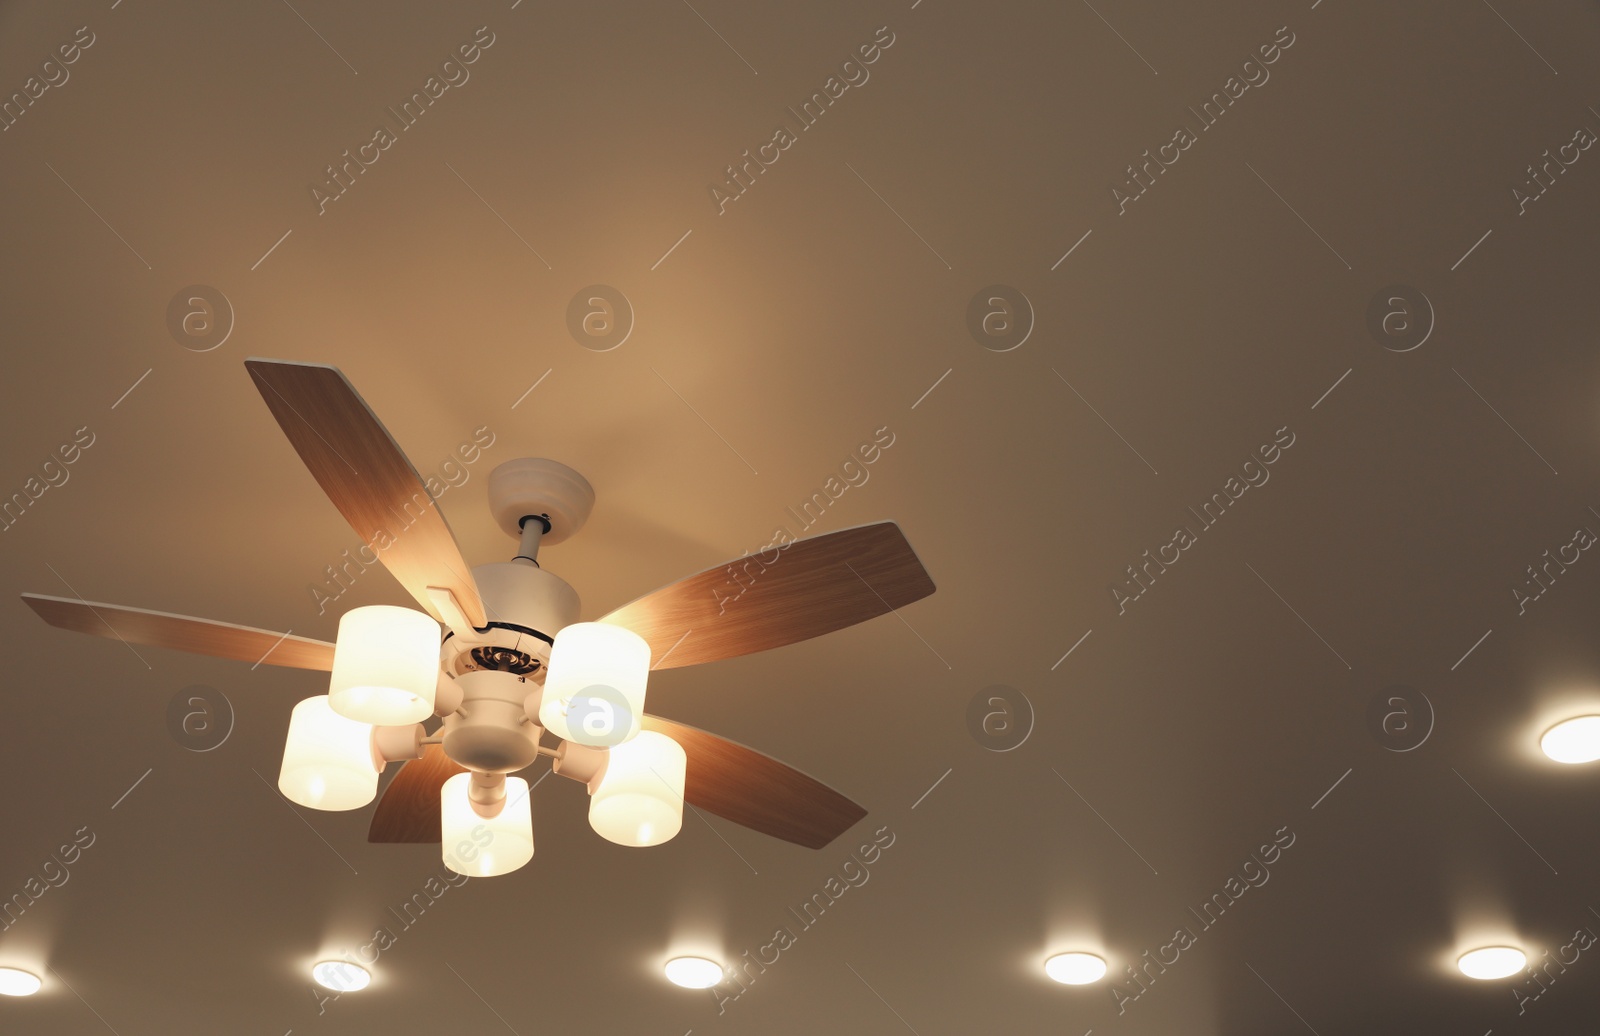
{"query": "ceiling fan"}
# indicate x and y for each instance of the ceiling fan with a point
(513, 662)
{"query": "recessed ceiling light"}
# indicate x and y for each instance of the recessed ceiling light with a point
(340, 975)
(1573, 740)
(1075, 969)
(693, 972)
(1492, 962)
(16, 982)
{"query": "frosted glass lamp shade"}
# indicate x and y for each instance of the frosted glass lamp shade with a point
(482, 847)
(328, 762)
(640, 798)
(385, 665)
(594, 692)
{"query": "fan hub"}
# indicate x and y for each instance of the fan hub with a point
(502, 659)
(491, 732)
(497, 668)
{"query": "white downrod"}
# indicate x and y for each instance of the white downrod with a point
(533, 529)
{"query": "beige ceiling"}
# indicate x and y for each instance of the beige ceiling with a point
(1176, 338)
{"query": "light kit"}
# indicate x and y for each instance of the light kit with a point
(464, 691)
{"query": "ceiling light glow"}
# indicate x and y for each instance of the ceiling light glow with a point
(340, 975)
(16, 982)
(1573, 741)
(1075, 969)
(1492, 962)
(693, 972)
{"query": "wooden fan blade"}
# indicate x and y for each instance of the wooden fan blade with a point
(409, 808)
(182, 632)
(358, 464)
(808, 588)
(756, 790)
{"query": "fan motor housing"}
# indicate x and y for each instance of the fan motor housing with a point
(497, 668)
(520, 593)
(526, 607)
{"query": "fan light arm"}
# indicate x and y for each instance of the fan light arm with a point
(397, 744)
(486, 793)
(580, 763)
